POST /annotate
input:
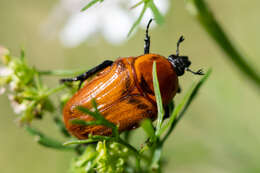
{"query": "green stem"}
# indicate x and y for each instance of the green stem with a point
(182, 107)
(54, 90)
(62, 72)
(156, 157)
(86, 141)
(205, 16)
(158, 101)
(38, 81)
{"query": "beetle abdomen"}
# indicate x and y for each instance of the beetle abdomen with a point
(127, 114)
(118, 99)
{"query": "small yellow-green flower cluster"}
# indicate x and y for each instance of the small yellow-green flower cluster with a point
(28, 96)
(108, 157)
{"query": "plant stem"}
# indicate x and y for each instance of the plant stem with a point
(62, 72)
(186, 103)
(54, 90)
(205, 16)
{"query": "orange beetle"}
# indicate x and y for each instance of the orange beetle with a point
(123, 90)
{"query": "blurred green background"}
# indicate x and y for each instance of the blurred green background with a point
(219, 133)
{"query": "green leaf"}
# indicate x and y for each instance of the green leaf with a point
(204, 15)
(62, 72)
(90, 4)
(148, 128)
(158, 100)
(147, 4)
(87, 141)
(46, 141)
(157, 15)
(137, 4)
(85, 123)
(87, 111)
(94, 104)
(137, 22)
(22, 56)
(183, 106)
(100, 120)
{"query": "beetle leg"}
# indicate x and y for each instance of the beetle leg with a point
(88, 73)
(147, 39)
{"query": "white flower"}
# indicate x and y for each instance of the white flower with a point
(111, 18)
(2, 90)
(13, 85)
(5, 71)
(18, 108)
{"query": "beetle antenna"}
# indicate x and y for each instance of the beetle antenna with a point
(181, 39)
(199, 72)
(147, 38)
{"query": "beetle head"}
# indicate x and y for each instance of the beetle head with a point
(181, 63)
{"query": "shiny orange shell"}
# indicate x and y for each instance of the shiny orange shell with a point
(124, 94)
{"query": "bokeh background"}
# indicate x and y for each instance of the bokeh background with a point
(220, 131)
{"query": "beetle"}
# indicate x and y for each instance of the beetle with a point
(124, 91)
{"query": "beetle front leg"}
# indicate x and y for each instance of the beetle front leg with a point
(88, 73)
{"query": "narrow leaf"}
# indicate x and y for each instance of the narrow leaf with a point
(138, 20)
(101, 120)
(87, 111)
(94, 104)
(137, 4)
(182, 107)
(148, 128)
(90, 4)
(158, 100)
(62, 72)
(90, 139)
(86, 141)
(85, 123)
(157, 15)
(46, 141)
(22, 56)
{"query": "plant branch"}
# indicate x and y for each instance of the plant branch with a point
(62, 72)
(204, 15)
